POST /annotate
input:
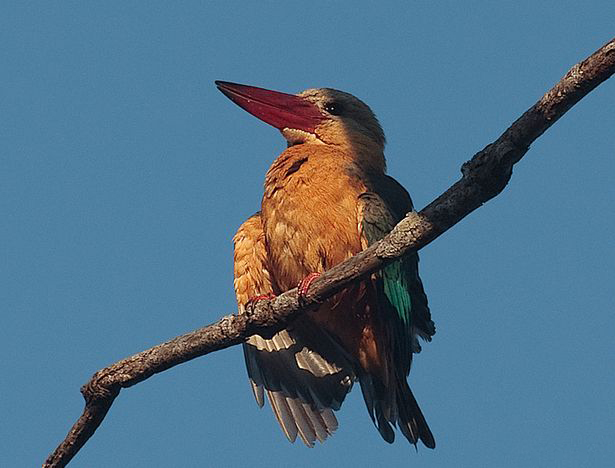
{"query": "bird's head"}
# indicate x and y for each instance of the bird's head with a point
(322, 116)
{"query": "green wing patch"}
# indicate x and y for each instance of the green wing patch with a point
(403, 304)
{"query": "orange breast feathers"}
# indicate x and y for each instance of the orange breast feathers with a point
(250, 262)
(310, 220)
(309, 212)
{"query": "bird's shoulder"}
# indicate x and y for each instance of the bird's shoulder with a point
(392, 193)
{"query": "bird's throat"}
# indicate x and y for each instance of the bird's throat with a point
(295, 136)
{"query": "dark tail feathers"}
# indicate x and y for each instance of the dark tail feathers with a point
(395, 406)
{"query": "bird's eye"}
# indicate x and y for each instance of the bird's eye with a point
(334, 108)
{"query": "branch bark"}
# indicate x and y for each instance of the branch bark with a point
(483, 177)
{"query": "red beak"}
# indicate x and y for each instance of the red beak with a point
(278, 109)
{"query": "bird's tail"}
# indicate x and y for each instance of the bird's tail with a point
(395, 405)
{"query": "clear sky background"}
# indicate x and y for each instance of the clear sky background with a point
(124, 174)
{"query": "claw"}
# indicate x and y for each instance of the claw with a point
(304, 285)
(249, 306)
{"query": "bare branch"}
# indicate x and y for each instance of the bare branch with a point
(483, 178)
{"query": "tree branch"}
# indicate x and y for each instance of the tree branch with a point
(484, 176)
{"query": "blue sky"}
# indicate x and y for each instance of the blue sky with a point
(124, 174)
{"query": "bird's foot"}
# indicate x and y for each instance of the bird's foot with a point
(249, 306)
(304, 286)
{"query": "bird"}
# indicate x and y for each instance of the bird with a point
(327, 197)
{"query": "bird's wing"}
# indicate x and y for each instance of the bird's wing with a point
(304, 373)
(405, 314)
(402, 283)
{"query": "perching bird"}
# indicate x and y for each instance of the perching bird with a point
(326, 198)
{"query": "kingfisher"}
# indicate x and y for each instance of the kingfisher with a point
(326, 198)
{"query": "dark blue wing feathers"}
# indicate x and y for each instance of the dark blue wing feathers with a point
(405, 306)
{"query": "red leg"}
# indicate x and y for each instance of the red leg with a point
(262, 297)
(304, 285)
(253, 300)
